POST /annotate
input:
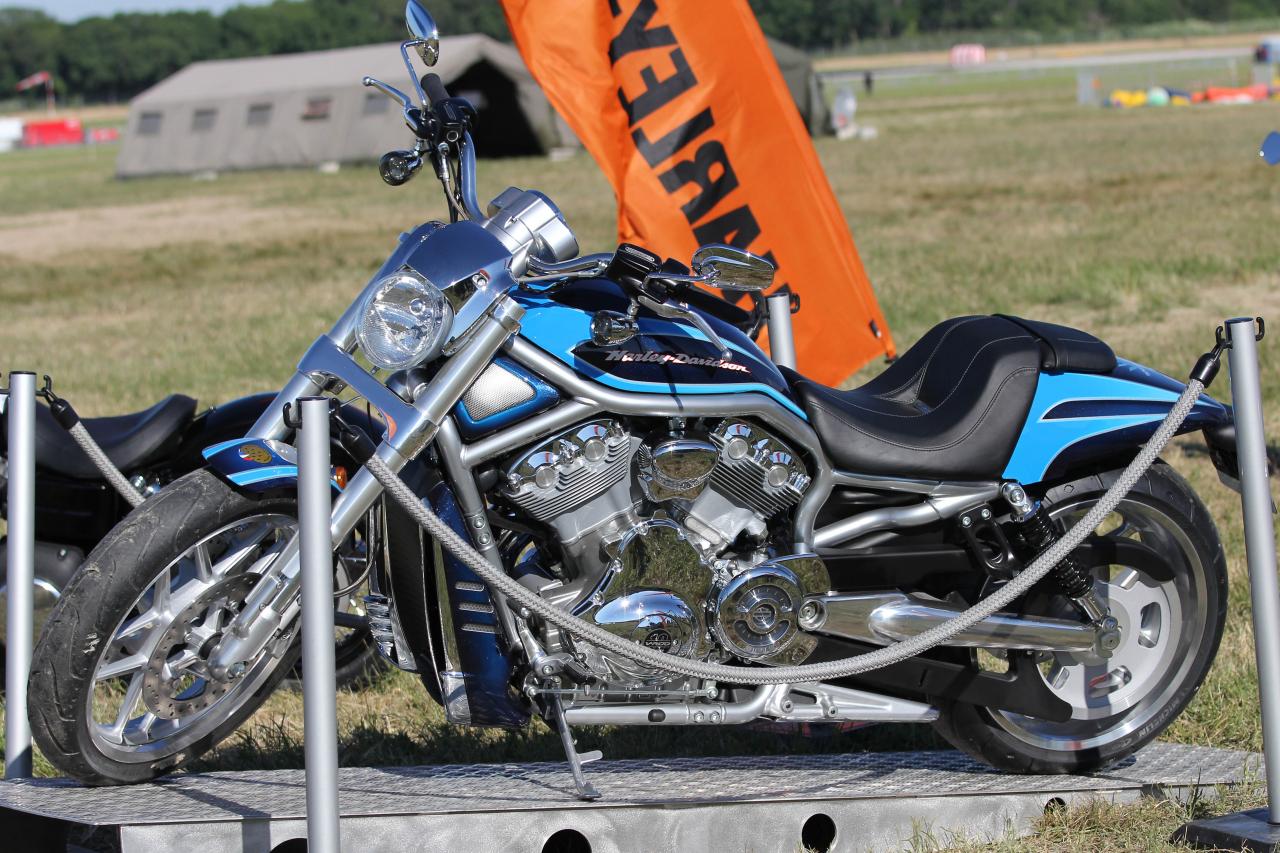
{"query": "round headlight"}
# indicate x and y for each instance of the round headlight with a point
(404, 321)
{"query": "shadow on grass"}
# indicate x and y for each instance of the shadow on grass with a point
(370, 744)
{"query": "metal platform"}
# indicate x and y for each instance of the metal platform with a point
(757, 803)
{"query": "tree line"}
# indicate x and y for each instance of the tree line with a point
(114, 58)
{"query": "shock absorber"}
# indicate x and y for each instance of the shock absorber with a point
(1072, 578)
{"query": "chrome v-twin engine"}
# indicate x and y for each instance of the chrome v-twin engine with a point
(665, 540)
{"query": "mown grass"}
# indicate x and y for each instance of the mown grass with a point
(1146, 227)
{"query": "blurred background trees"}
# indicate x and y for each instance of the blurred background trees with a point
(114, 58)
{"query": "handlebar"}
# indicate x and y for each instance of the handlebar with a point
(434, 87)
(442, 125)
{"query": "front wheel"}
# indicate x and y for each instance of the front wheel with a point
(120, 688)
(1170, 627)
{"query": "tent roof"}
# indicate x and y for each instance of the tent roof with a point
(263, 75)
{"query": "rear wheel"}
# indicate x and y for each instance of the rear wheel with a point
(1170, 629)
(120, 686)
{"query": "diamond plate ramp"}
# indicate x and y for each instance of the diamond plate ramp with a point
(754, 803)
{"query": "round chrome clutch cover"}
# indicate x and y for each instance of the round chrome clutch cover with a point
(758, 612)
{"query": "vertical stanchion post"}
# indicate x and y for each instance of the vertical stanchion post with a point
(782, 342)
(1260, 541)
(319, 690)
(20, 580)
(1256, 829)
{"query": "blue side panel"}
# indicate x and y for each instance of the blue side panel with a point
(665, 358)
(485, 664)
(544, 397)
(1075, 416)
(256, 464)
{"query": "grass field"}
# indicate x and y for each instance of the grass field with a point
(1145, 227)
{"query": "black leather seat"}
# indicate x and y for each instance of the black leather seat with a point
(953, 405)
(130, 441)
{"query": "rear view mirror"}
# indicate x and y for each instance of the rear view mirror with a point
(423, 28)
(1270, 150)
(731, 268)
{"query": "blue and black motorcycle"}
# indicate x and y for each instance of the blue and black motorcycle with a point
(601, 428)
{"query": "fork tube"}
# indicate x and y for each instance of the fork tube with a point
(270, 424)
(782, 342)
(272, 604)
(20, 583)
(319, 690)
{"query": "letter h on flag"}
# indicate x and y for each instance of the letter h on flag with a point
(685, 110)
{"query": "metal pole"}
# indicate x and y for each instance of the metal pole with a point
(1260, 543)
(782, 343)
(319, 690)
(20, 583)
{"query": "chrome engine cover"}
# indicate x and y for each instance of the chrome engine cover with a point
(654, 591)
(758, 611)
(675, 466)
(646, 550)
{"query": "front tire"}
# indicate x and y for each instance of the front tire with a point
(119, 692)
(1171, 631)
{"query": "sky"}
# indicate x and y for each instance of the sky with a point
(74, 10)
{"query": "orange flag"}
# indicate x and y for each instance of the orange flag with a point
(683, 107)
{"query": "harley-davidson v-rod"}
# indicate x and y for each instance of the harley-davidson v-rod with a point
(601, 429)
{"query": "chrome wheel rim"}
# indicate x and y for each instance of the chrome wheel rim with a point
(1162, 624)
(131, 719)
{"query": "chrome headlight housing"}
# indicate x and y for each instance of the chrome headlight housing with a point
(404, 321)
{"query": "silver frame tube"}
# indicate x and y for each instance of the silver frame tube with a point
(21, 578)
(1260, 541)
(782, 342)
(678, 713)
(319, 688)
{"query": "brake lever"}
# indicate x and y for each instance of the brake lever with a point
(390, 91)
(562, 273)
(688, 315)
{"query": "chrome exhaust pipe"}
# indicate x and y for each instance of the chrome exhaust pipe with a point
(887, 617)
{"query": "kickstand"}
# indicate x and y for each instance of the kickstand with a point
(584, 788)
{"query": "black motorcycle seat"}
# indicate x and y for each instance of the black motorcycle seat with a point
(130, 441)
(952, 406)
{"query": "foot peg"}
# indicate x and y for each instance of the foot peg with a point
(584, 789)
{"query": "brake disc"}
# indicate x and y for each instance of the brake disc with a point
(170, 693)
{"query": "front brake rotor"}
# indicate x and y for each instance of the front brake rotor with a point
(173, 694)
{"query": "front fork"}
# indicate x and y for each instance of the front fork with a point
(274, 601)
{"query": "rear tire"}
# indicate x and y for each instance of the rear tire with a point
(91, 629)
(1177, 632)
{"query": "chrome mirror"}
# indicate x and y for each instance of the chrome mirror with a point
(423, 28)
(1270, 150)
(731, 268)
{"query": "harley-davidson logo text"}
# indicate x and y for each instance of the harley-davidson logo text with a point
(676, 358)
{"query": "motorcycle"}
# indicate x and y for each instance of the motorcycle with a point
(595, 427)
(75, 507)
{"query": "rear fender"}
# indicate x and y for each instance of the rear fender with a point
(1077, 418)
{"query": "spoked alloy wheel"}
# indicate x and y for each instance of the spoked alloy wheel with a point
(1160, 624)
(357, 662)
(1170, 611)
(153, 691)
(120, 687)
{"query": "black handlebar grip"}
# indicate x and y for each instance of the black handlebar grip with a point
(434, 87)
